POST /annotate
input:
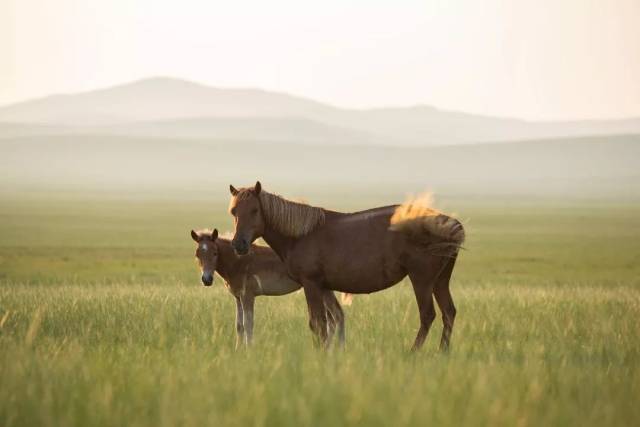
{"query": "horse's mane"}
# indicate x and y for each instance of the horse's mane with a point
(293, 219)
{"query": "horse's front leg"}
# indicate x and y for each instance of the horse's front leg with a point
(317, 312)
(335, 317)
(239, 323)
(247, 306)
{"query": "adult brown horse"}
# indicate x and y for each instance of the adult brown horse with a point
(360, 252)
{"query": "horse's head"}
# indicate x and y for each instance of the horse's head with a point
(247, 215)
(206, 253)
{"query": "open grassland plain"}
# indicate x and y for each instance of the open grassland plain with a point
(103, 321)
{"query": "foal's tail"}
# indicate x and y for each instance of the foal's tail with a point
(439, 233)
(346, 299)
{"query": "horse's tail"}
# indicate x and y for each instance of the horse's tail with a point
(441, 234)
(346, 299)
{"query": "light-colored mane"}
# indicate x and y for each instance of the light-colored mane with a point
(204, 232)
(226, 236)
(290, 218)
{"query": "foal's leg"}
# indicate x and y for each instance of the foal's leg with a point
(317, 312)
(423, 279)
(247, 306)
(239, 323)
(445, 302)
(335, 315)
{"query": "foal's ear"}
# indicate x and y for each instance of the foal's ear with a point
(214, 234)
(257, 188)
(233, 190)
(194, 236)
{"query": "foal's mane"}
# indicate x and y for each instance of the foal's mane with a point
(225, 237)
(204, 232)
(293, 219)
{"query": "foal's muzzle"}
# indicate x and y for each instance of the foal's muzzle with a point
(207, 279)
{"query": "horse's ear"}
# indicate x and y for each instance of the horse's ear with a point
(233, 190)
(214, 235)
(194, 236)
(257, 188)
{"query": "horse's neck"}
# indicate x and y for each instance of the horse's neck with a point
(227, 260)
(280, 243)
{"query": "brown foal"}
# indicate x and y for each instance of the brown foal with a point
(260, 272)
(360, 252)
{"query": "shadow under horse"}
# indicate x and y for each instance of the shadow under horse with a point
(361, 252)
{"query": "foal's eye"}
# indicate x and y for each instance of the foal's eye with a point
(254, 211)
(233, 211)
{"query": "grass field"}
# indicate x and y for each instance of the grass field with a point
(103, 321)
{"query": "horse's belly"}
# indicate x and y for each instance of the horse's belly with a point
(358, 254)
(356, 277)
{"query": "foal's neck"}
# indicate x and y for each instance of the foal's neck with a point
(227, 259)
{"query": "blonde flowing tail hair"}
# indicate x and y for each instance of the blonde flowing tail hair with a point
(346, 299)
(441, 234)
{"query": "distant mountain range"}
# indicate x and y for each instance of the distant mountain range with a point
(600, 167)
(160, 134)
(177, 109)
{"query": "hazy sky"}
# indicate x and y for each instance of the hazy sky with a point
(535, 59)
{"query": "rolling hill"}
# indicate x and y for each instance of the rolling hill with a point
(172, 108)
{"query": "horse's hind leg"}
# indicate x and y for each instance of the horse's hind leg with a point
(445, 302)
(427, 312)
(335, 316)
(423, 280)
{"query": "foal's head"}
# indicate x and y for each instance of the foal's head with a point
(247, 215)
(206, 253)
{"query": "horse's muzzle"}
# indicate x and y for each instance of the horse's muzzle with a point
(240, 246)
(207, 279)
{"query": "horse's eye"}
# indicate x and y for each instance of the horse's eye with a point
(254, 211)
(233, 211)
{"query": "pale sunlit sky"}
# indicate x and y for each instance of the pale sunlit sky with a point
(538, 59)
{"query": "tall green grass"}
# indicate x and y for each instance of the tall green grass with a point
(103, 322)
